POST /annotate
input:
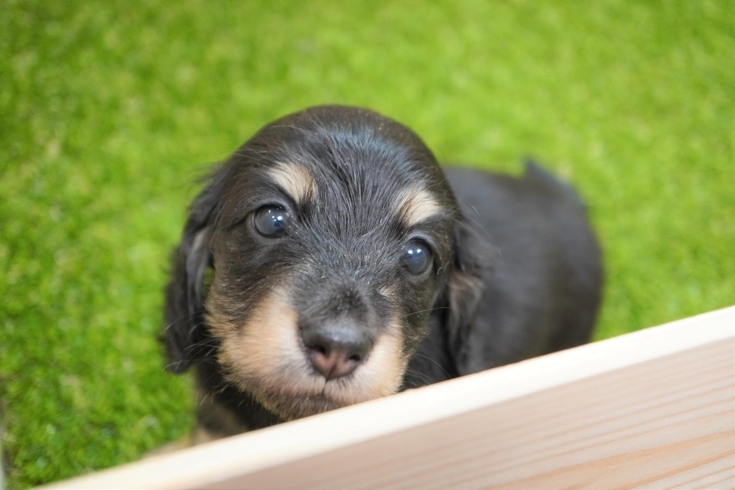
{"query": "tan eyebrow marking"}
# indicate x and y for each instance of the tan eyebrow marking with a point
(414, 205)
(295, 180)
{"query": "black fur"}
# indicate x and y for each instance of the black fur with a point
(517, 274)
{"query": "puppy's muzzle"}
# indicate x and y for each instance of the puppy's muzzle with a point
(336, 348)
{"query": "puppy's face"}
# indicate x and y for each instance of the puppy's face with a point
(330, 240)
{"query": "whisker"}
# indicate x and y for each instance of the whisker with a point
(429, 309)
(418, 354)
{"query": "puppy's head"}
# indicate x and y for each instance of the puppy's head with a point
(331, 237)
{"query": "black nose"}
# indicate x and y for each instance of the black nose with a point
(336, 350)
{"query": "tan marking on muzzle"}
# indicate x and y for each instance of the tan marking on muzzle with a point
(218, 311)
(415, 205)
(265, 357)
(295, 180)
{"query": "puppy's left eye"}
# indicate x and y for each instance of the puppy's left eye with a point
(270, 221)
(417, 257)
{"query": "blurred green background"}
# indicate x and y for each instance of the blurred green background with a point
(110, 111)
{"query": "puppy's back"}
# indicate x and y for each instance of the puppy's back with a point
(545, 287)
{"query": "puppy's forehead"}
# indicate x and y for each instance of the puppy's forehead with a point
(404, 195)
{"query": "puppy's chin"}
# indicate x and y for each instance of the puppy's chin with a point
(264, 357)
(291, 405)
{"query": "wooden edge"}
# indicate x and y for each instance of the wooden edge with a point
(229, 458)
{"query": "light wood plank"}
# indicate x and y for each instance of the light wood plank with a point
(653, 409)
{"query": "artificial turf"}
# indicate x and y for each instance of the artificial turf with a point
(109, 111)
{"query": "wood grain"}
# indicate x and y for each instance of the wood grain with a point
(653, 409)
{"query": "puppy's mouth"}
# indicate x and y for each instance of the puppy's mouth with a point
(294, 376)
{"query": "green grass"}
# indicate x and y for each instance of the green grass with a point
(109, 111)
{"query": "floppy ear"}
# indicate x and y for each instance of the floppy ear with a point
(184, 307)
(473, 258)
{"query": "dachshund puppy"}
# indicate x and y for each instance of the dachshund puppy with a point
(331, 261)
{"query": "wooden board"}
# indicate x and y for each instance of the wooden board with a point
(652, 409)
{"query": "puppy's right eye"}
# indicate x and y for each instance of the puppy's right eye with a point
(270, 221)
(417, 257)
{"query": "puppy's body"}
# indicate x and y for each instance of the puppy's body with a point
(347, 266)
(544, 289)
